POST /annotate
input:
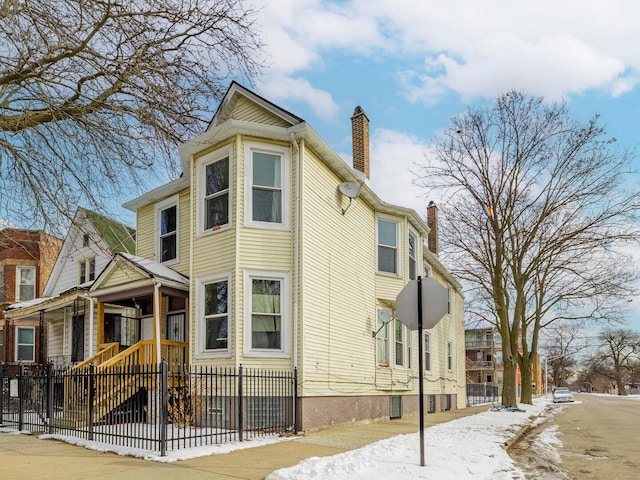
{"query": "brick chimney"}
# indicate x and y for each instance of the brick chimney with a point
(360, 139)
(432, 223)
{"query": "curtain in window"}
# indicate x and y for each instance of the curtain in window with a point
(27, 284)
(266, 314)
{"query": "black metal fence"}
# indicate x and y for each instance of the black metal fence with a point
(479, 393)
(149, 407)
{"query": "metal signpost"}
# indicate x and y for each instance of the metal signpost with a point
(421, 304)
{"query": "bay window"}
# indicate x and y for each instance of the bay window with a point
(214, 192)
(167, 230)
(213, 311)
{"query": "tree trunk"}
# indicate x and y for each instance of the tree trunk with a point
(509, 397)
(620, 384)
(526, 394)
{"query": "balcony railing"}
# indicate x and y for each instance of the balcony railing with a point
(479, 344)
(479, 365)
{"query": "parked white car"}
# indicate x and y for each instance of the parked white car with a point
(562, 394)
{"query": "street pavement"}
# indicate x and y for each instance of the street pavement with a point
(29, 457)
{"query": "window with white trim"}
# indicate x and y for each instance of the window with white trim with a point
(387, 239)
(86, 270)
(214, 191)
(167, 221)
(266, 317)
(449, 301)
(25, 344)
(427, 351)
(449, 355)
(413, 246)
(409, 348)
(267, 195)
(426, 271)
(214, 327)
(399, 339)
(382, 336)
(26, 283)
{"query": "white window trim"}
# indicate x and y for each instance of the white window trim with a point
(430, 352)
(450, 355)
(399, 249)
(403, 337)
(285, 296)
(86, 263)
(18, 344)
(450, 300)
(209, 158)
(158, 209)
(385, 328)
(285, 175)
(200, 351)
(35, 281)
(416, 253)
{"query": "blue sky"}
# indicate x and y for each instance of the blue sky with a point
(412, 64)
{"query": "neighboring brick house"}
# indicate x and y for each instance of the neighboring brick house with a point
(26, 260)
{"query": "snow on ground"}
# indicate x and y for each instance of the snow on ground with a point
(467, 448)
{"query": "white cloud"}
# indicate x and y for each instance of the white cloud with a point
(394, 159)
(480, 49)
(280, 88)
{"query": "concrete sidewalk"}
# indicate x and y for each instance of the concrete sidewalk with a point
(26, 456)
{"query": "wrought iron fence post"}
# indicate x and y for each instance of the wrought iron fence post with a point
(91, 386)
(240, 402)
(20, 396)
(163, 398)
(1, 392)
(50, 396)
(295, 400)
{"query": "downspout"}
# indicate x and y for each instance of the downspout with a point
(156, 314)
(91, 320)
(296, 249)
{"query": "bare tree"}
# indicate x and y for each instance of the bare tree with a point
(555, 211)
(617, 357)
(562, 344)
(95, 94)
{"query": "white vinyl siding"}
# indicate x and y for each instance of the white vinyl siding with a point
(267, 186)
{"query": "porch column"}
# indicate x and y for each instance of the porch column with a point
(91, 305)
(156, 317)
(100, 330)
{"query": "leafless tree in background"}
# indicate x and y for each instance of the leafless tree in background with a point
(96, 94)
(558, 208)
(617, 357)
(563, 342)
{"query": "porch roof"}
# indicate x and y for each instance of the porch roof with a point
(147, 274)
(46, 304)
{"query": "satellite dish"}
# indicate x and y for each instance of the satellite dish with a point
(349, 189)
(384, 316)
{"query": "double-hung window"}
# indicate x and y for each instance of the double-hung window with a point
(427, 351)
(399, 339)
(449, 355)
(167, 222)
(266, 322)
(413, 246)
(388, 245)
(267, 195)
(214, 315)
(382, 336)
(25, 344)
(26, 283)
(87, 270)
(214, 197)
